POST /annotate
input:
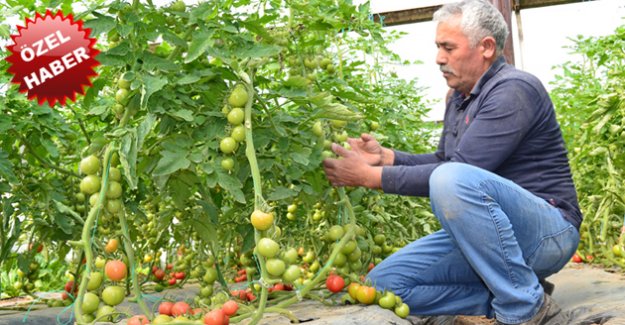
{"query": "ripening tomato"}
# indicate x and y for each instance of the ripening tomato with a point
(111, 245)
(230, 307)
(215, 317)
(138, 320)
(180, 308)
(115, 270)
(165, 308)
(261, 220)
(365, 294)
(335, 283)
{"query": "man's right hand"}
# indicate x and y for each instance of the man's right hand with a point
(371, 150)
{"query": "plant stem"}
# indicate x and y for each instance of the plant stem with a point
(86, 237)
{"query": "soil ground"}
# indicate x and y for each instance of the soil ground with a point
(586, 294)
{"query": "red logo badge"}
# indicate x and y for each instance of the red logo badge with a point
(52, 58)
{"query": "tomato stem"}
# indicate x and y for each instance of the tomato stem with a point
(86, 237)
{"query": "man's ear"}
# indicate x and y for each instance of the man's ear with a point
(489, 47)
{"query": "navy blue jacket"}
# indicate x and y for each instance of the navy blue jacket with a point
(507, 125)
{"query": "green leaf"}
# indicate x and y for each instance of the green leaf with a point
(155, 62)
(151, 85)
(188, 79)
(6, 167)
(171, 162)
(260, 50)
(204, 229)
(281, 193)
(231, 185)
(97, 110)
(128, 158)
(184, 114)
(201, 41)
(101, 24)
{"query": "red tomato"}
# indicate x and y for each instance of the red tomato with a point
(138, 320)
(172, 281)
(180, 308)
(69, 285)
(335, 283)
(250, 296)
(230, 307)
(241, 271)
(371, 266)
(576, 258)
(159, 274)
(169, 266)
(165, 308)
(215, 317)
(179, 275)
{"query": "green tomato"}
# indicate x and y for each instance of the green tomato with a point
(210, 276)
(123, 83)
(95, 281)
(290, 256)
(387, 301)
(228, 145)
(238, 97)
(317, 129)
(90, 184)
(291, 274)
(275, 266)
(114, 206)
(115, 174)
(338, 123)
(402, 310)
(113, 295)
(267, 247)
(106, 314)
(90, 165)
(227, 164)
(349, 247)
(114, 190)
(178, 6)
(238, 133)
(90, 303)
(122, 96)
(335, 233)
(236, 116)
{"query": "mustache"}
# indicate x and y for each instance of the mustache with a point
(446, 69)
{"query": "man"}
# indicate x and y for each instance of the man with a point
(499, 183)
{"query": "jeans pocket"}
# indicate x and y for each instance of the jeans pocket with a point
(554, 252)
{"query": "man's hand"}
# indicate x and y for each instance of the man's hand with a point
(351, 169)
(371, 151)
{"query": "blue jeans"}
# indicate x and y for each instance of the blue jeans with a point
(497, 240)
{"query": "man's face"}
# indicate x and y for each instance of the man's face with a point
(461, 64)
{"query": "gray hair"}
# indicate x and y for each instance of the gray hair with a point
(479, 19)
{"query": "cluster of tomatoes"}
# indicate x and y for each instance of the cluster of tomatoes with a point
(181, 311)
(104, 291)
(235, 114)
(90, 187)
